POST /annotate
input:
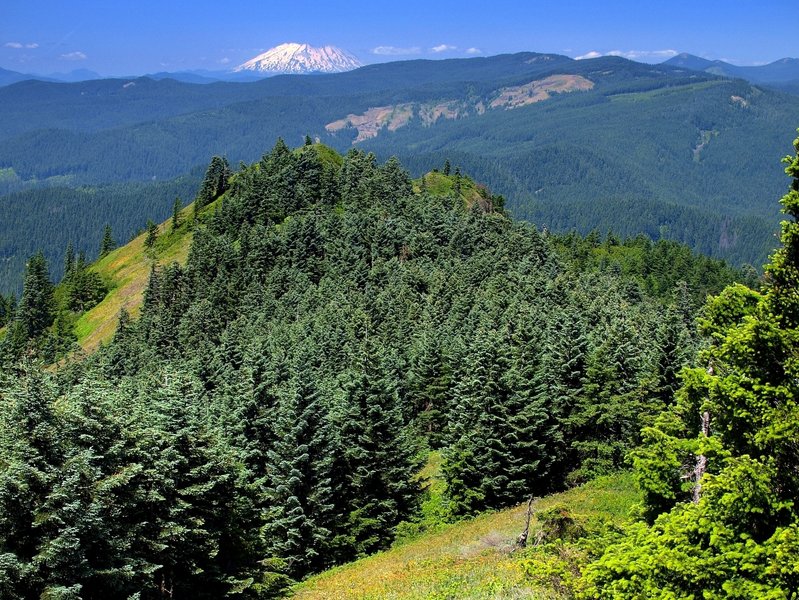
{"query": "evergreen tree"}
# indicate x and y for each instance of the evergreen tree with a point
(378, 455)
(357, 178)
(107, 244)
(202, 542)
(430, 382)
(35, 312)
(176, 206)
(538, 435)
(32, 448)
(300, 520)
(559, 379)
(736, 421)
(8, 306)
(475, 467)
(395, 180)
(215, 182)
(309, 178)
(612, 406)
(69, 260)
(82, 288)
(152, 234)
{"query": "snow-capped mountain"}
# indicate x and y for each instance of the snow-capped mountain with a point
(301, 58)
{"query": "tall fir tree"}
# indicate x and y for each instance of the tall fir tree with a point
(379, 454)
(301, 518)
(107, 244)
(730, 528)
(177, 205)
(36, 309)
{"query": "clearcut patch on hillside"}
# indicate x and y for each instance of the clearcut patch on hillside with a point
(373, 120)
(538, 91)
(369, 123)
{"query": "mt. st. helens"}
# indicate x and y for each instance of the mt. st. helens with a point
(293, 58)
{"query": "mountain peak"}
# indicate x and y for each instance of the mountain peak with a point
(298, 58)
(689, 61)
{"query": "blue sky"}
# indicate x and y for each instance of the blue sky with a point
(118, 37)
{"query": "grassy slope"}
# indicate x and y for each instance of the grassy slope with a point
(471, 559)
(438, 184)
(126, 271)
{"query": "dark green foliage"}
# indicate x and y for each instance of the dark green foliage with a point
(611, 406)
(300, 521)
(176, 206)
(107, 243)
(214, 183)
(264, 416)
(430, 386)
(80, 289)
(69, 259)
(722, 499)
(35, 311)
(114, 495)
(8, 306)
(378, 454)
(152, 234)
(478, 462)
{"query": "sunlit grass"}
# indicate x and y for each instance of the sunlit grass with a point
(126, 270)
(438, 184)
(471, 559)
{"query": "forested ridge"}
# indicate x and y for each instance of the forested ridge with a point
(654, 149)
(266, 415)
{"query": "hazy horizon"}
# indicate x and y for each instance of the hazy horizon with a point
(145, 37)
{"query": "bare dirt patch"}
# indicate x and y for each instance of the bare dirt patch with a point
(537, 91)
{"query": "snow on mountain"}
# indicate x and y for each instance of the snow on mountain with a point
(301, 58)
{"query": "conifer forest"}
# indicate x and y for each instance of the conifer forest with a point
(264, 415)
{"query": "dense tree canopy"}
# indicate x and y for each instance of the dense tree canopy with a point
(719, 467)
(266, 414)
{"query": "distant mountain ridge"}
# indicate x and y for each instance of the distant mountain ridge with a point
(778, 73)
(296, 59)
(8, 77)
(603, 143)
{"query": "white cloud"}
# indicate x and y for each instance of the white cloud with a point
(395, 51)
(77, 55)
(473, 51)
(223, 61)
(442, 48)
(18, 45)
(639, 55)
